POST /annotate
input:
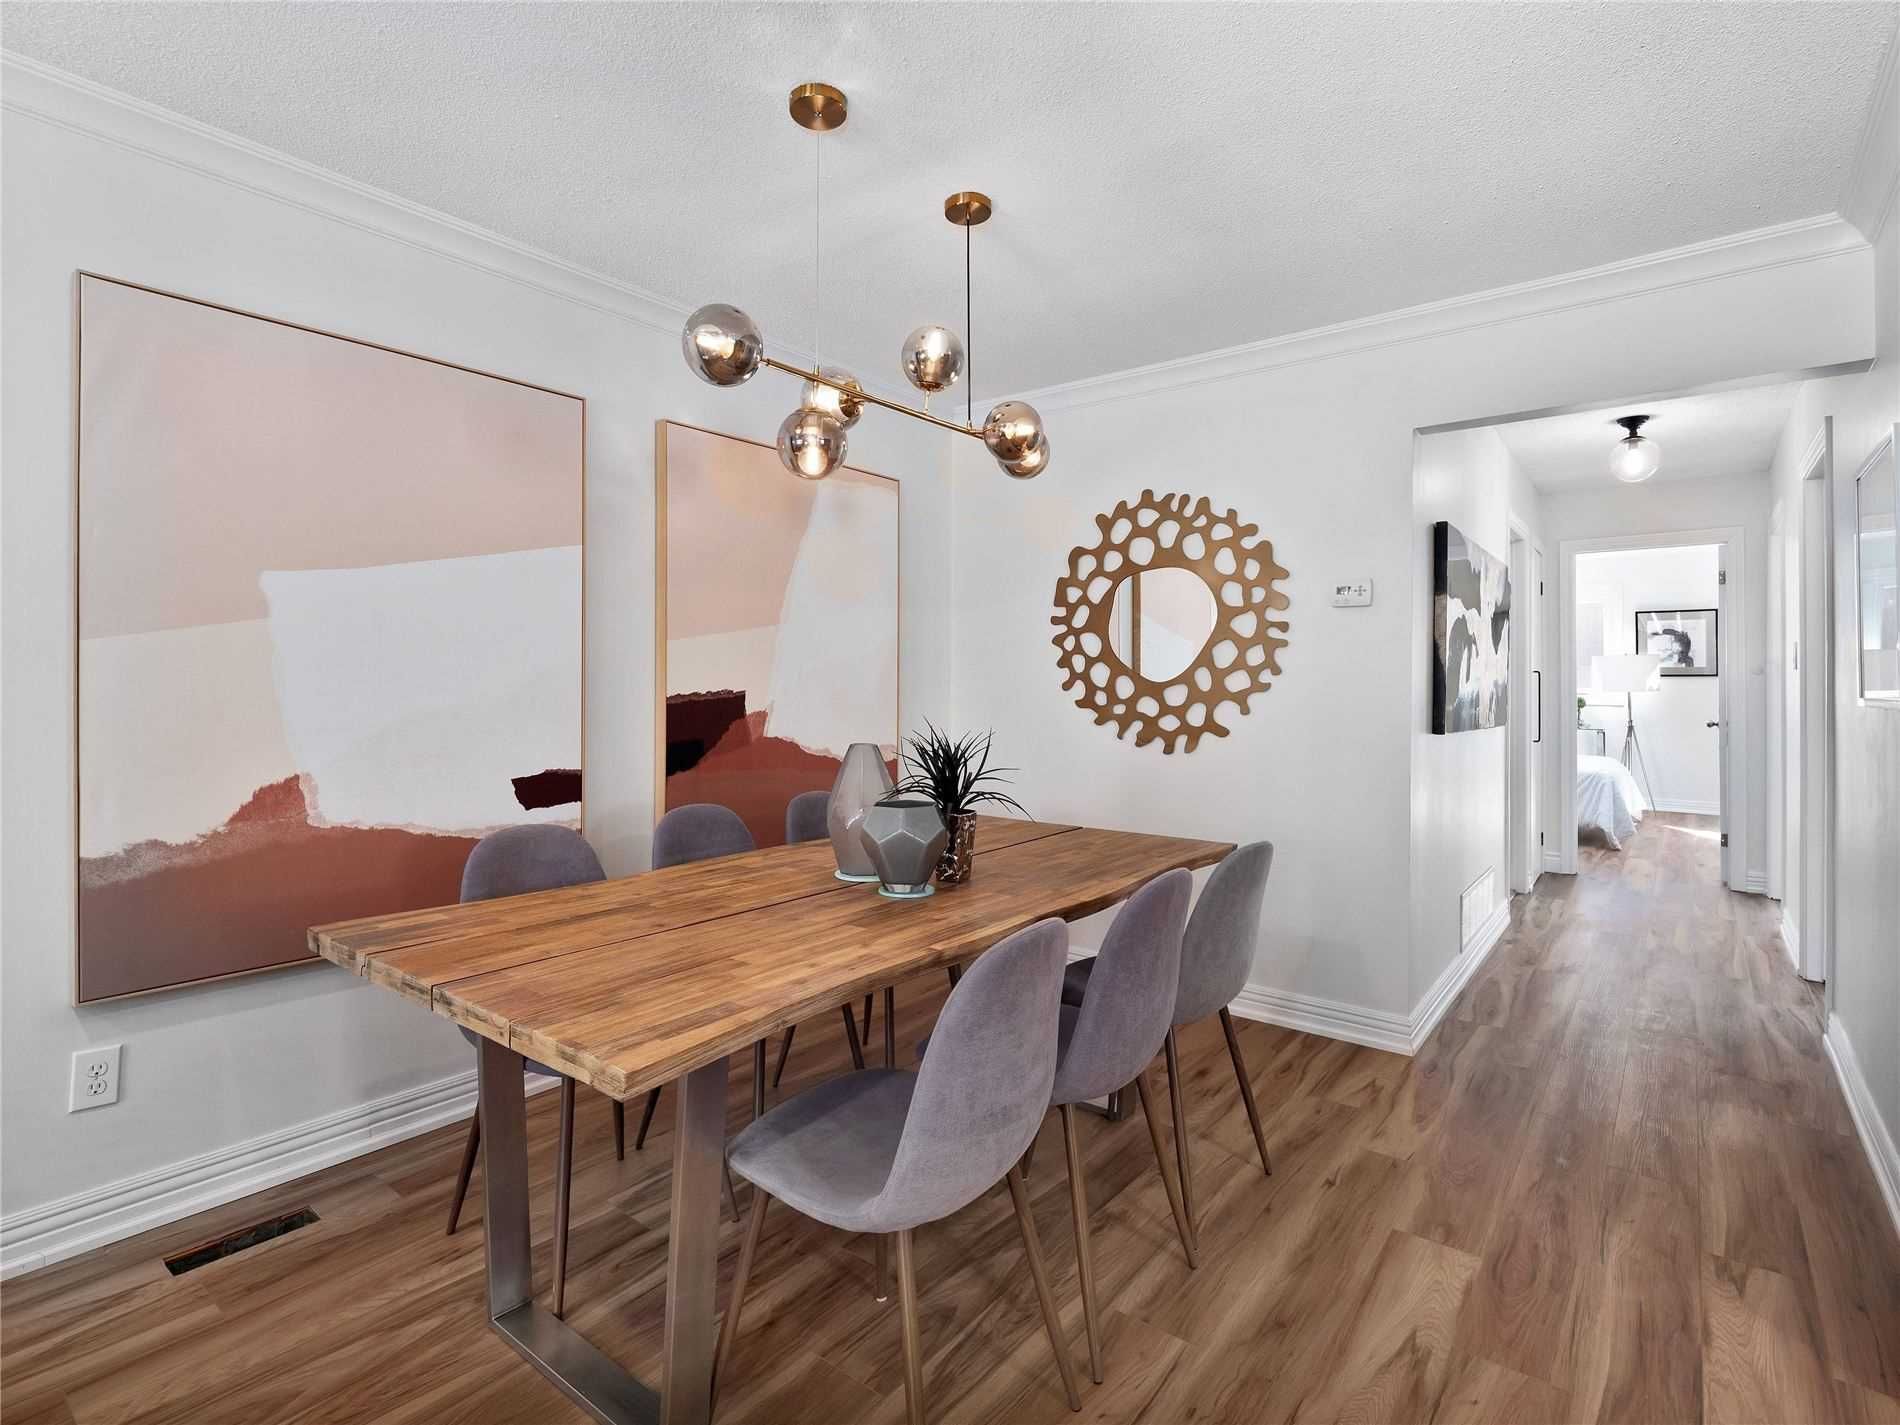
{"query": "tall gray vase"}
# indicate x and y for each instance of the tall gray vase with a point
(863, 780)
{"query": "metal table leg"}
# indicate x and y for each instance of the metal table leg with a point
(580, 1371)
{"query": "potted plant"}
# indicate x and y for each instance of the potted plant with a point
(953, 774)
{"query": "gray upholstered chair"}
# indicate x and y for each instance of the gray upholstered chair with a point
(885, 1151)
(1216, 954)
(1109, 1040)
(511, 862)
(698, 833)
(805, 817)
(805, 820)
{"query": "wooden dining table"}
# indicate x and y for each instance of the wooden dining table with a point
(628, 984)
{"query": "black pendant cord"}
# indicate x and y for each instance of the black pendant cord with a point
(969, 338)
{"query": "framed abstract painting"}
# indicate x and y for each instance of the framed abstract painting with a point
(1471, 634)
(777, 625)
(329, 631)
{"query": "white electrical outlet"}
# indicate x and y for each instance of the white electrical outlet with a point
(95, 1078)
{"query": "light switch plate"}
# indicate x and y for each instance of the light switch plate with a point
(1352, 593)
(95, 1078)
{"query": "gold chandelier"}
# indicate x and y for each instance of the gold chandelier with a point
(723, 347)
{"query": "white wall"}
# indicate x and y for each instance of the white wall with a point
(1458, 786)
(1680, 752)
(1864, 989)
(209, 1071)
(1664, 506)
(1313, 439)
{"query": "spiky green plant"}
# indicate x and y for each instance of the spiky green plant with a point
(953, 773)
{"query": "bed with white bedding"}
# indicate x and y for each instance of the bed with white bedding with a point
(1608, 799)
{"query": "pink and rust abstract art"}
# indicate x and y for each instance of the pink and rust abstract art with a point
(329, 631)
(778, 625)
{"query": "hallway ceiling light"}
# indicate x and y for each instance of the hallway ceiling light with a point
(1637, 456)
(723, 347)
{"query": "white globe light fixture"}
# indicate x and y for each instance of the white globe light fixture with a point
(1636, 457)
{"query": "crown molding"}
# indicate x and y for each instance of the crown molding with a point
(65, 100)
(1873, 180)
(1804, 240)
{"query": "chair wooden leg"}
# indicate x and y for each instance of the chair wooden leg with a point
(748, 1248)
(620, 1131)
(563, 1184)
(732, 1197)
(913, 1341)
(1181, 1223)
(881, 1266)
(1177, 1110)
(646, 1119)
(1246, 1087)
(1051, 1318)
(468, 1169)
(851, 1036)
(1084, 1257)
(784, 1052)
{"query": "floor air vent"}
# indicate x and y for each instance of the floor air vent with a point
(235, 1242)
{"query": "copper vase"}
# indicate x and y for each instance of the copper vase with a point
(959, 851)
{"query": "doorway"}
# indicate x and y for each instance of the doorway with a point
(1523, 829)
(1652, 647)
(1801, 861)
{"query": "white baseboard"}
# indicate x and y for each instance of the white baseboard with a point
(1436, 1000)
(1376, 1029)
(1553, 861)
(1875, 1136)
(40, 1236)
(1687, 808)
(1329, 1018)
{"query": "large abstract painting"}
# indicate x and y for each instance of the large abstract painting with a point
(777, 635)
(329, 631)
(1471, 634)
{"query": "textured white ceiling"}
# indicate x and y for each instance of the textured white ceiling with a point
(1725, 433)
(1169, 179)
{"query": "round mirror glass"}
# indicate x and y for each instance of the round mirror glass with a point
(1161, 621)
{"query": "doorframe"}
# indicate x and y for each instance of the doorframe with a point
(1810, 855)
(1733, 706)
(1523, 810)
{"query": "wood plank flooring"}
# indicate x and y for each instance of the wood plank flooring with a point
(1618, 1183)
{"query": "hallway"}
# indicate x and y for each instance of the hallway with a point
(1618, 1183)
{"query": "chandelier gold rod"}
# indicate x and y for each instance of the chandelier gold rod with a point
(869, 397)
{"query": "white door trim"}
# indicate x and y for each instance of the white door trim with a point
(1814, 936)
(1733, 670)
(1527, 731)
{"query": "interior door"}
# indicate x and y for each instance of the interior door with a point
(1725, 617)
(1543, 724)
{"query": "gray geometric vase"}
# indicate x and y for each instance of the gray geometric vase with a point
(904, 838)
(863, 780)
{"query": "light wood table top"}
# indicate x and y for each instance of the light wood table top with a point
(626, 984)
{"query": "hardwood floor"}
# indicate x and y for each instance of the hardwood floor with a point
(1618, 1183)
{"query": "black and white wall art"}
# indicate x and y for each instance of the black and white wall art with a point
(1685, 640)
(1471, 634)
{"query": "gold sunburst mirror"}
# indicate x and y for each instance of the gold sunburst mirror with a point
(1164, 619)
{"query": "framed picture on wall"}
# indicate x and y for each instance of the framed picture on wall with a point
(1685, 639)
(777, 625)
(329, 631)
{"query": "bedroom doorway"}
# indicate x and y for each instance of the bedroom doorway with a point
(1652, 647)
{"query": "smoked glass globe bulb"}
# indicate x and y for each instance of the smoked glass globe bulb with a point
(811, 444)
